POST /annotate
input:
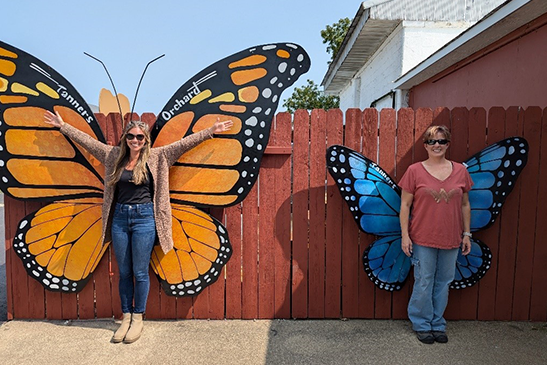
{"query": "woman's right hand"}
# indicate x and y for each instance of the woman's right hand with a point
(53, 119)
(406, 245)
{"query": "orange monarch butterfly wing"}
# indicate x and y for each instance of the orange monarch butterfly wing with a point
(246, 88)
(201, 250)
(36, 161)
(60, 243)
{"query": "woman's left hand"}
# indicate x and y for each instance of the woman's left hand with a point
(466, 245)
(220, 127)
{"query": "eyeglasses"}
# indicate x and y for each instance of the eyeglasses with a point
(130, 136)
(432, 142)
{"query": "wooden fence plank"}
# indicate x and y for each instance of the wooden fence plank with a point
(15, 273)
(233, 268)
(491, 237)
(9, 252)
(538, 300)
(351, 254)
(37, 292)
(404, 153)
(232, 222)
(476, 142)
(282, 227)
(250, 252)
(201, 304)
(21, 298)
(386, 159)
(300, 262)
(266, 217)
(333, 230)
(508, 230)
(318, 177)
(457, 152)
(86, 301)
(184, 308)
(108, 287)
(424, 119)
(367, 290)
(528, 206)
(217, 291)
(168, 305)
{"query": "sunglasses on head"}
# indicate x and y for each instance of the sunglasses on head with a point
(431, 142)
(130, 136)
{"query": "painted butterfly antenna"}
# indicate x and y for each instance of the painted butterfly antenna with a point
(112, 82)
(139, 85)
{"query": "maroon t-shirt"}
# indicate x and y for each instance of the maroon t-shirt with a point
(436, 216)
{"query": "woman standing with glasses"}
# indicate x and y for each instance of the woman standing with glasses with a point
(136, 208)
(437, 191)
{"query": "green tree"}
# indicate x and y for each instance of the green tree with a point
(310, 97)
(333, 36)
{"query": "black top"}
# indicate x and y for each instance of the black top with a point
(129, 193)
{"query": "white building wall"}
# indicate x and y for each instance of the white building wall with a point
(408, 45)
(422, 39)
(383, 67)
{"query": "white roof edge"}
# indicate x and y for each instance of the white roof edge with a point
(413, 77)
(358, 23)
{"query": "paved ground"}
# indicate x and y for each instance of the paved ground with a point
(271, 342)
(264, 342)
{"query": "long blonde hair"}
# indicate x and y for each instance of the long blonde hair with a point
(140, 173)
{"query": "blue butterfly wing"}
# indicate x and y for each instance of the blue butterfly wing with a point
(494, 171)
(374, 201)
(373, 198)
(471, 268)
(386, 264)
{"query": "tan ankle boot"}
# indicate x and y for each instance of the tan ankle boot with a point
(122, 330)
(135, 330)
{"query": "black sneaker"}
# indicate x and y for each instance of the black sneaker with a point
(440, 336)
(425, 337)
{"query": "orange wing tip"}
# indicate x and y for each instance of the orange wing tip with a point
(5, 53)
(7, 67)
(246, 76)
(283, 54)
(248, 61)
(8, 99)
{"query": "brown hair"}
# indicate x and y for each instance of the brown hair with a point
(140, 173)
(434, 129)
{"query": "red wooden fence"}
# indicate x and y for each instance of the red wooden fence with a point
(302, 257)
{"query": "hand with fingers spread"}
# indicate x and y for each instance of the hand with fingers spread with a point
(220, 127)
(53, 119)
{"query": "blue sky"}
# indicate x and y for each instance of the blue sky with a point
(125, 35)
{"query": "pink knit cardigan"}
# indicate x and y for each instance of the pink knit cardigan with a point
(159, 162)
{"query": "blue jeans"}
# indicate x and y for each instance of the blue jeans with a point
(434, 270)
(133, 237)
